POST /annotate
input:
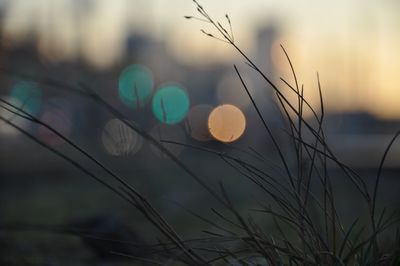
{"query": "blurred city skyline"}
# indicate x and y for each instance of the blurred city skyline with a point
(353, 45)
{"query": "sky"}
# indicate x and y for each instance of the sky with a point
(354, 45)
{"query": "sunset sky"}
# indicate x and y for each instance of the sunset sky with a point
(353, 44)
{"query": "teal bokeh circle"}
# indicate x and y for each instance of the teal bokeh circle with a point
(28, 95)
(170, 104)
(135, 86)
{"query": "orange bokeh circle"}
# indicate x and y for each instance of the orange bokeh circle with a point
(226, 123)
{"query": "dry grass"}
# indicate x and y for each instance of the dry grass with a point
(299, 238)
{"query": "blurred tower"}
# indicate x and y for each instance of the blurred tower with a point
(264, 94)
(266, 37)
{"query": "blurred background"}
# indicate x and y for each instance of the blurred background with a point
(184, 90)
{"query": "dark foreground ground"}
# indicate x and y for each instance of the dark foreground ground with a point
(41, 211)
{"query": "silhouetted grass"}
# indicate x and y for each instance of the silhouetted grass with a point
(299, 238)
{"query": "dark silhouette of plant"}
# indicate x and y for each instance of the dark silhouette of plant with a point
(299, 238)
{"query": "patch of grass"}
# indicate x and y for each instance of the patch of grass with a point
(299, 203)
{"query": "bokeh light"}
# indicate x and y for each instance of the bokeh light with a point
(170, 104)
(230, 91)
(226, 123)
(58, 119)
(28, 95)
(169, 133)
(118, 139)
(197, 122)
(135, 86)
